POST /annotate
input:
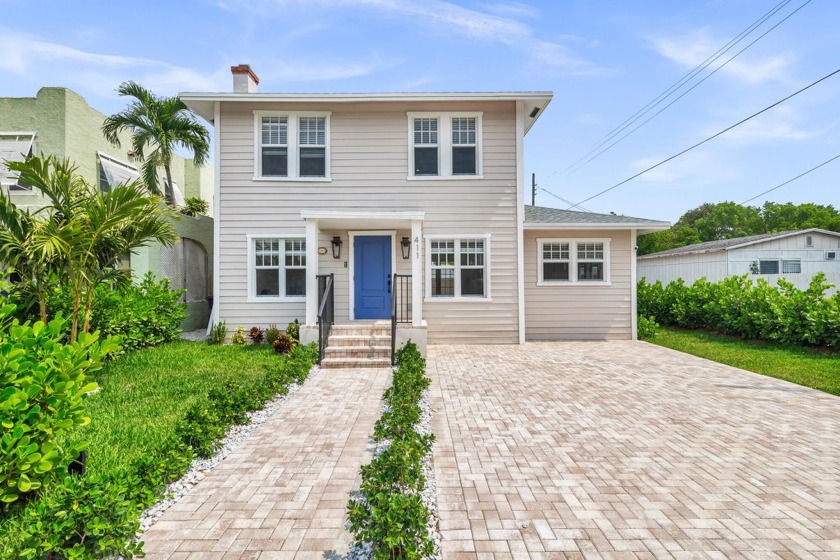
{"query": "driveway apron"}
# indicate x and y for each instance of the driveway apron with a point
(283, 492)
(629, 450)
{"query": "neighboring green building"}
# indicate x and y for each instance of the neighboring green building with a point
(59, 122)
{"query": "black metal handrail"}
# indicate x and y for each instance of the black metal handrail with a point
(400, 307)
(326, 311)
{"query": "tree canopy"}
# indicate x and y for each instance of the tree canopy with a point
(727, 220)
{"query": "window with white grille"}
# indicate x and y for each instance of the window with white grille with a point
(426, 146)
(277, 268)
(573, 260)
(444, 145)
(458, 268)
(292, 145)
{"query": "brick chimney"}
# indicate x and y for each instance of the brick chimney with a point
(244, 79)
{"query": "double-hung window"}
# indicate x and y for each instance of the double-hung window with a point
(277, 267)
(292, 145)
(458, 268)
(563, 261)
(444, 145)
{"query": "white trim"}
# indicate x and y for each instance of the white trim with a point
(520, 218)
(356, 97)
(351, 260)
(573, 259)
(457, 238)
(312, 231)
(361, 215)
(292, 145)
(217, 206)
(445, 145)
(417, 273)
(634, 296)
(252, 297)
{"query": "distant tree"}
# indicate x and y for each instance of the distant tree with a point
(160, 124)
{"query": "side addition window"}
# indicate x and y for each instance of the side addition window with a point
(555, 261)
(568, 261)
(590, 261)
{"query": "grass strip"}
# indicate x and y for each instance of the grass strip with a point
(812, 367)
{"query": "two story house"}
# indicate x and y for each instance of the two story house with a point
(413, 199)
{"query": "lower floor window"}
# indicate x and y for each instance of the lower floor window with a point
(572, 260)
(792, 266)
(768, 266)
(458, 268)
(279, 267)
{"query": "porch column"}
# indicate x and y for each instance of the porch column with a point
(416, 273)
(311, 272)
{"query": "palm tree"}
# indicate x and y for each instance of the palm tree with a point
(83, 231)
(161, 124)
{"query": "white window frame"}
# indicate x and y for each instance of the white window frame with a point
(8, 186)
(778, 267)
(251, 268)
(293, 145)
(445, 145)
(457, 238)
(786, 261)
(573, 261)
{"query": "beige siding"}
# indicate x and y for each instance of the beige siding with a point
(690, 268)
(369, 167)
(574, 312)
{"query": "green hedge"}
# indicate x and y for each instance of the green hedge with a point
(95, 517)
(755, 310)
(391, 515)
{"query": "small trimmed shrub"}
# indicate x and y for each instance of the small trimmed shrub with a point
(238, 337)
(218, 333)
(256, 335)
(271, 334)
(293, 331)
(283, 344)
(194, 206)
(647, 328)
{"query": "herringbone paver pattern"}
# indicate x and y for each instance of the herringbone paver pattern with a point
(628, 450)
(283, 492)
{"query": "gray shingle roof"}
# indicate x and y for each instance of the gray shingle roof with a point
(535, 215)
(723, 244)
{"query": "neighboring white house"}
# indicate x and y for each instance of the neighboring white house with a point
(426, 185)
(795, 256)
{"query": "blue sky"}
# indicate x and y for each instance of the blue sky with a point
(604, 60)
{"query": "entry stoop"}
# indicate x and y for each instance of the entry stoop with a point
(359, 345)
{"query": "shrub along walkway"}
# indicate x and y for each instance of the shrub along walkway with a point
(629, 450)
(283, 492)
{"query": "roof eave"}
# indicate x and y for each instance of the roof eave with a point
(642, 227)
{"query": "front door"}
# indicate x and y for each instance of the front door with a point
(372, 263)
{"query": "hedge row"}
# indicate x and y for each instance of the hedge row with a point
(391, 515)
(95, 517)
(756, 310)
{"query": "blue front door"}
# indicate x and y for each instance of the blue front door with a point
(372, 263)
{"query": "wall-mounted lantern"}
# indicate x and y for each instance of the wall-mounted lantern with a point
(405, 246)
(336, 247)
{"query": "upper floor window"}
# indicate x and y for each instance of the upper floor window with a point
(573, 260)
(113, 172)
(14, 146)
(444, 145)
(291, 145)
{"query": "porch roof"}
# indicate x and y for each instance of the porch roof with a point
(356, 219)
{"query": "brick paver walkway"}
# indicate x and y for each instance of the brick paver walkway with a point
(628, 450)
(283, 492)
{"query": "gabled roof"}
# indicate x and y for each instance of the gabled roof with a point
(734, 243)
(534, 102)
(539, 217)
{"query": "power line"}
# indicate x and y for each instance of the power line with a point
(560, 198)
(681, 82)
(691, 88)
(698, 144)
(792, 180)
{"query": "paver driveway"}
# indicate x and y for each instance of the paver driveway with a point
(628, 450)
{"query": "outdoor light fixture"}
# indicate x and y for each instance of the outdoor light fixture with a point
(405, 245)
(336, 247)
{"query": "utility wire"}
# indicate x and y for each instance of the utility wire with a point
(560, 198)
(680, 83)
(791, 180)
(698, 144)
(712, 73)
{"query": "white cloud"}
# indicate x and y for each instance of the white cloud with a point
(695, 48)
(511, 9)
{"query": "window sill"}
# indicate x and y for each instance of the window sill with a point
(457, 299)
(292, 179)
(578, 283)
(26, 192)
(444, 177)
(279, 299)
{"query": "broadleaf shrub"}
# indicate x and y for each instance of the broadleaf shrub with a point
(741, 307)
(647, 328)
(43, 385)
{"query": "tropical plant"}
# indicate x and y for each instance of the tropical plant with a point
(158, 124)
(257, 335)
(218, 333)
(238, 337)
(194, 206)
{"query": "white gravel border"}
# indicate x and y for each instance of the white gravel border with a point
(200, 467)
(363, 550)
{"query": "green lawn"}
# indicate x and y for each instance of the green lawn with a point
(145, 392)
(815, 368)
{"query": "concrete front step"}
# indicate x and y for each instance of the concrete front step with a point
(355, 340)
(357, 352)
(336, 363)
